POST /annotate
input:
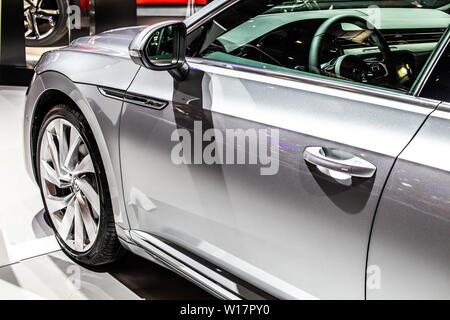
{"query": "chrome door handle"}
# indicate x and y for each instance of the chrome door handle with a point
(338, 164)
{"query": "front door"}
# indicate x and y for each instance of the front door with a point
(270, 175)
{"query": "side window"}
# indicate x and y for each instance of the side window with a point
(345, 40)
(438, 84)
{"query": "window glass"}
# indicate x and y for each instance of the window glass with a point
(438, 84)
(381, 43)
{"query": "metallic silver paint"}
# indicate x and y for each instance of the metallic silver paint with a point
(410, 239)
(113, 42)
(318, 83)
(369, 109)
(84, 67)
(243, 222)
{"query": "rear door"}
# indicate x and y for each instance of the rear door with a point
(410, 241)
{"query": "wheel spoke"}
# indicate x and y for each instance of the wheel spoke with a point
(78, 228)
(45, 17)
(85, 166)
(29, 23)
(36, 16)
(74, 144)
(90, 194)
(48, 12)
(53, 153)
(30, 3)
(35, 26)
(62, 141)
(55, 204)
(49, 174)
(88, 221)
(67, 221)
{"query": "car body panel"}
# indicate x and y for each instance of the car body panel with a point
(296, 234)
(113, 42)
(242, 221)
(409, 244)
(83, 67)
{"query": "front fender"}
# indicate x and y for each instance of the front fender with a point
(103, 116)
(107, 66)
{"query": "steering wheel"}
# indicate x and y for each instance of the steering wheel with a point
(352, 66)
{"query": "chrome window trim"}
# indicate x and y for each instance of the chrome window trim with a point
(210, 279)
(327, 84)
(426, 73)
(193, 26)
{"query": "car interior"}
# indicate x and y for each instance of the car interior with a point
(379, 46)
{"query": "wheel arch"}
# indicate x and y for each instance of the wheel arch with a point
(45, 103)
(51, 88)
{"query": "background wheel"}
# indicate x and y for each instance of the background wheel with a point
(45, 21)
(74, 188)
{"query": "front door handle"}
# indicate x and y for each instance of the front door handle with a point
(338, 164)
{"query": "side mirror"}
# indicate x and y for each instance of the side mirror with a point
(162, 47)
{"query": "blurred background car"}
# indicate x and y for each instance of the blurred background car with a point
(45, 20)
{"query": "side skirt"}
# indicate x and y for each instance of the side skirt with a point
(209, 277)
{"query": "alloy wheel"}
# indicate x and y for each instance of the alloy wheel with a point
(39, 21)
(70, 185)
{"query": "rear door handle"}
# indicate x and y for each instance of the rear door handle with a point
(338, 164)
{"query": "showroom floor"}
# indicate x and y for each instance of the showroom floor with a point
(31, 264)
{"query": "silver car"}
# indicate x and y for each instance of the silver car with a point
(262, 149)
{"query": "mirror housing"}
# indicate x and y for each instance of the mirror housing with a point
(162, 47)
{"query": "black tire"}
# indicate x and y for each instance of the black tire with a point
(106, 248)
(60, 29)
